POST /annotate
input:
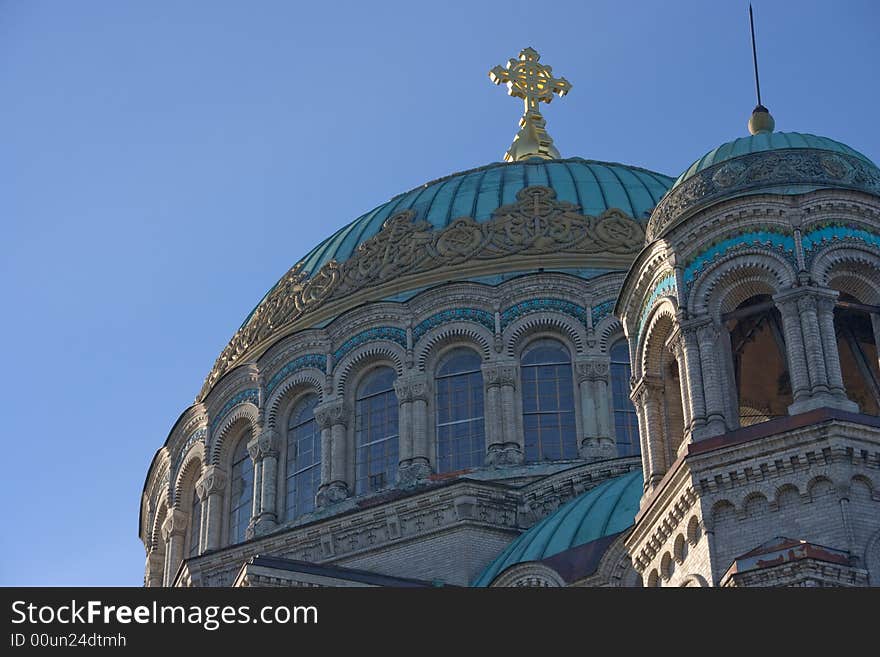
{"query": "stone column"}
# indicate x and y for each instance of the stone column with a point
(677, 349)
(332, 417)
(266, 513)
(794, 347)
(813, 344)
(647, 395)
(825, 311)
(253, 448)
(875, 325)
(210, 488)
(174, 535)
(707, 339)
(415, 461)
(598, 441)
(814, 359)
(155, 568)
(694, 367)
(506, 447)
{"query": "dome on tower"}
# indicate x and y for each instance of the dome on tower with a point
(766, 162)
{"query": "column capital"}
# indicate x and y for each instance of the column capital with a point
(212, 481)
(330, 413)
(645, 388)
(592, 368)
(269, 443)
(412, 386)
(175, 524)
(499, 373)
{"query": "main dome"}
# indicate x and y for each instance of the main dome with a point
(591, 185)
(576, 216)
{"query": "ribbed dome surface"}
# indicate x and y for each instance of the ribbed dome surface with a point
(594, 186)
(607, 509)
(768, 141)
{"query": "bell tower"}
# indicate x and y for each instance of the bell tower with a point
(753, 322)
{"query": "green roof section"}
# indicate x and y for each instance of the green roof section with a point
(592, 185)
(767, 141)
(607, 509)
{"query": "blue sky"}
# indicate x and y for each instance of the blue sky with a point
(163, 163)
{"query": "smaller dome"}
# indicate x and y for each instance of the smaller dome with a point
(766, 141)
(607, 509)
(787, 163)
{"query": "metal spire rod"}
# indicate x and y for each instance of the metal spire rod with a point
(755, 54)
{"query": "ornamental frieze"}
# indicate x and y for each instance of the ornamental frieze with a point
(537, 223)
(784, 167)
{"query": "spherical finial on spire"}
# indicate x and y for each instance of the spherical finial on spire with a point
(761, 121)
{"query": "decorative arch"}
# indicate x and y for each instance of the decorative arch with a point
(544, 324)
(849, 268)
(652, 350)
(189, 471)
(731, 280)
(531, 574)
(438, 340)
(819, 487)
(307, 379)
(243, 414)
(609, 330)
(365, 357)
(755, 503)
(694, 530)
(162, 508)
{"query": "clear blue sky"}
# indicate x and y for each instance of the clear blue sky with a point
(163, 163)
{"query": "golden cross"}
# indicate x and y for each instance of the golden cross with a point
(532, 81)
(526, 78)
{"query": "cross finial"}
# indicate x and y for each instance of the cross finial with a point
(532, 81)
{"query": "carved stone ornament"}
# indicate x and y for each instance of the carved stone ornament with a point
(269, 442)
(592, 370)
(536, 224)
(496, 375)
(798, 166)
(330, 413)
(212, 481)
(331, 493)
(411, 388)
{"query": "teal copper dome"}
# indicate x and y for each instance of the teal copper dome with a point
(788, 163)
(607, 509)
(767, 141)
(594, 186)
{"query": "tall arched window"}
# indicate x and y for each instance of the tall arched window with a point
(548, 402)
(303, 458)
(241, 492)
(376, 434)
(458, 386)
(195, 524)
(626, 422)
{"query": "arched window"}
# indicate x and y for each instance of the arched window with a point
(760, 367)
(857, 347)
(241, 492)
(626, 422)
(376, 434)
(458, 387)
(303, 458)
(548, 402)
(195, 524)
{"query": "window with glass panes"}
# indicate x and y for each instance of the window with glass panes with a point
(548, 402)
(241, 492)
(376, 433)
(303, 458)
(458, 398)
(626, 422)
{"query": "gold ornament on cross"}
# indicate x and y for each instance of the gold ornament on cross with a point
(532, 81)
